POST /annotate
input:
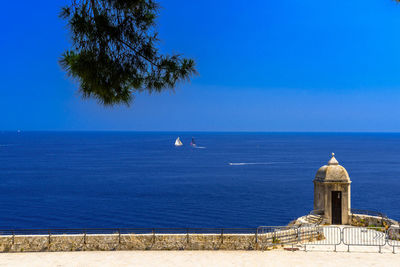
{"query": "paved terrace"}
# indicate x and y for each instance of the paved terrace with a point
(199, 258)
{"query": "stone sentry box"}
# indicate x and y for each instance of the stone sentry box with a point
(332, 193)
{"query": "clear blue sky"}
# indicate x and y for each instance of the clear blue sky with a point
(287, 65)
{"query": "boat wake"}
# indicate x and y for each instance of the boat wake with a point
(249, 163)
(200, 147)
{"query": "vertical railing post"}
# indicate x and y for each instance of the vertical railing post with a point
(293, 245)
(187, 235)
(386, 237)
(84, 236)
(341, 236)
(119, 236)
(222, 235)
(154, 235)
(49, 237)
(13, 237)
(298, 236)
(256, 239)
(256, 235)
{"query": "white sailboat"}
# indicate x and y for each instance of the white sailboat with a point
(178, 142)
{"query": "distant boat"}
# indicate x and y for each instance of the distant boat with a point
(178, 142)
(193, 143)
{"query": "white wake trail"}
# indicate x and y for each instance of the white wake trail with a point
(249, 163)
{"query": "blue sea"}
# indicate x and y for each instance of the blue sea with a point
(130, 179)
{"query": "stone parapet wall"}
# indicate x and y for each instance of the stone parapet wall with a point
(109, 242)
(363, 220)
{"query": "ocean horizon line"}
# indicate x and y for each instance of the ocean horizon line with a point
(195, 131)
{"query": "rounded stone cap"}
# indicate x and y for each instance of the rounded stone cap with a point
(332, 172)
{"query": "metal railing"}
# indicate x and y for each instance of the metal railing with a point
(393, 237)
(263, 237)
(317, 212)
(274, 236)
(104, 231)
(315, 217)
(333, 236)
(326, 236)
(364, 236)
(369, 212)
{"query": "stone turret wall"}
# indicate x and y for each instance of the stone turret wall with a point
(109, 242)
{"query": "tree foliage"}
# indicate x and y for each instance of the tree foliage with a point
(114, 50)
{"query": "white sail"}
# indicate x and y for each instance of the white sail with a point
(178, 142)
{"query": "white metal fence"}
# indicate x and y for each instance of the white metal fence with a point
(315, 236)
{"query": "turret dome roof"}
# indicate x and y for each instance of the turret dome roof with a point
(332, 172)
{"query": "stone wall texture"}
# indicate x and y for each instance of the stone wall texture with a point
(109, 242)
(363, 220)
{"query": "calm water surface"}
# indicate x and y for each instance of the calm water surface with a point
(123, 179)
